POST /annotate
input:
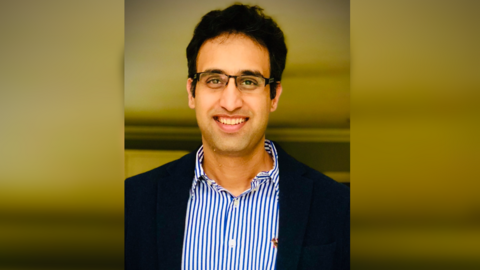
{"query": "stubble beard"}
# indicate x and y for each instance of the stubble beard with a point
(236, 144)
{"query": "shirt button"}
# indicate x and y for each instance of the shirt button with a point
(235, 202)
(232, 243)
(209, 182)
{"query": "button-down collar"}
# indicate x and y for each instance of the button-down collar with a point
(261, 177)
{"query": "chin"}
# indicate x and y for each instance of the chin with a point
(231, 147)
(230, 144)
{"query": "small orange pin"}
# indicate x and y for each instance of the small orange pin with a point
(274, 242)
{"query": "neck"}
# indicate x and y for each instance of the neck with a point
(234, 173)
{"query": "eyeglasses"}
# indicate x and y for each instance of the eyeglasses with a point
(247, 83)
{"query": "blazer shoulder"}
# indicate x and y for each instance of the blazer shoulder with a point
(326, 182)
(293, 167)
(150, 176)
(147, 181)
(290, 166)
(330, 190)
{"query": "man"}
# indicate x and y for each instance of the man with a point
(239, 201)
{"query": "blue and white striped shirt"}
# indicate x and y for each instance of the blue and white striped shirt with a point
(227, 232)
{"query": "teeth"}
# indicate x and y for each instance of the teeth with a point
(231, 121)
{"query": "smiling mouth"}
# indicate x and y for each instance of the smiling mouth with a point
(230, 120)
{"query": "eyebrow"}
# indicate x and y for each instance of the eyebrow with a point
(242, 72)
(251, 72)
(219, 71)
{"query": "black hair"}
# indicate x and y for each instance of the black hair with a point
(241, 19)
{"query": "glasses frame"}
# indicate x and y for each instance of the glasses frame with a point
(268, 81)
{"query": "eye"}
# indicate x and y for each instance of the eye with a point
(213, 81)
(249, 81)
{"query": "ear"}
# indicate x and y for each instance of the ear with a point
(191, 99)
(274, 102)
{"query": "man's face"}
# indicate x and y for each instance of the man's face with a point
(232, 122)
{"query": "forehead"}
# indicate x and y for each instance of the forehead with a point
(233, 53)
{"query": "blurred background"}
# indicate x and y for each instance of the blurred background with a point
(61, 134)
(312, 121)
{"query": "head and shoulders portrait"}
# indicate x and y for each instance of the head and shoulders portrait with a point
(238, 199)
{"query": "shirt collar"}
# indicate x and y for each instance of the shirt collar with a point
(272, 174)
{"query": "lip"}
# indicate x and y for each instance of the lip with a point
(230, 128)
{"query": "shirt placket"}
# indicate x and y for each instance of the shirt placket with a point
(232, 232)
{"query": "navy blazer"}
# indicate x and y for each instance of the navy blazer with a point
(314, 225)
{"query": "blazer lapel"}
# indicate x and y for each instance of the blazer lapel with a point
(295, 196)
(172, 200)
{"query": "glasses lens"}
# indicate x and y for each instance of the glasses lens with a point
(213, 80)
(250, 83)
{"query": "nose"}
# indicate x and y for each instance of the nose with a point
(231, 98)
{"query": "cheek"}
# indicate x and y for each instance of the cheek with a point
(260, 106)
(204, 103)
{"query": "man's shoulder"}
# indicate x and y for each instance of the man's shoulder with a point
(328, 191)
(322, 183)
(150, 178)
